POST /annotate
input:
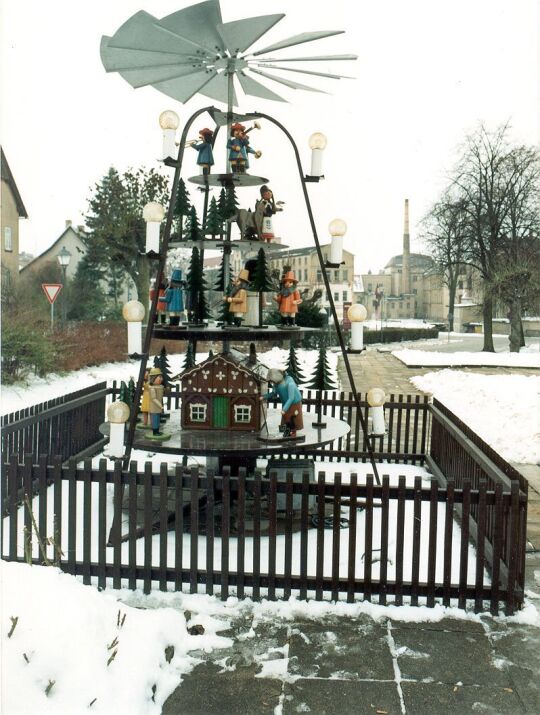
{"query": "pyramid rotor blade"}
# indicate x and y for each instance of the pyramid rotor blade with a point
(183, 88)
(316, 74)
(116, 60)
(241, 34)
(143, 77)
(218, 88)
(256, 89)
(198, 23)
(320, 58)
(140, 32)
(287, 82)
(298, 40)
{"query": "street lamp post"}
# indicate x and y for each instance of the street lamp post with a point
(64, 257)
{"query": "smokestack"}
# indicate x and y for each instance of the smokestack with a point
(406, 265)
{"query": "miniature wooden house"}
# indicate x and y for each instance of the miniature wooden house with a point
(221, 393)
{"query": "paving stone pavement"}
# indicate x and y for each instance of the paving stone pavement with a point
(343, 665)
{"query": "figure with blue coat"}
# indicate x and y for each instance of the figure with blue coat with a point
(206, 155)
(286, 390)
(174, 297)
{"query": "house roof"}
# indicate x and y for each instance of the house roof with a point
(7, 176)
(236, 359)
(53, 245)
(417, 260)
(293, 252)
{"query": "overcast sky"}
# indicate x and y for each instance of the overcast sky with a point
(428, 72)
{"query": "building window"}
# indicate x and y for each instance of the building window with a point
(305, 274)
(414, 291)
(8, 239)
(319, 277)
(242, 413)
(345, 274)
(197, 412)
(415, 279)
(345, 296)
(408, 305)
(336, 276)
(336, 297)
(370, 287)
(305, 260)
(460, 285)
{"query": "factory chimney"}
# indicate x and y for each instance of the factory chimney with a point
(406, 265)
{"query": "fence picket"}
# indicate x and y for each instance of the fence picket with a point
(210, 516)
(368, 538)
(147, 565)
(400, 527)
(194, 530)
(102, 526)
(272, 528)
(240, 530)
(257, 537)
(432, 545)
(225, 526)
(385, 517)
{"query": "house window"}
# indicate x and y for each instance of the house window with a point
(414, 291)
(336, 297)
(415, 279)
(242, 413)
(336, 276)
(345, 296)
(305, 274)
(319, 277)
(345, 274)
(370, 287)
(8, 239)
(197, 412)
(460, 285)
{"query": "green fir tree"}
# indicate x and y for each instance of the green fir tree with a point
(193, 228)
(221, 284)
(293, 368)
(163, 364)
(214, 224)
(231, 203)
(222, 206)
(181, 206)
(195, 291)
(189, 360)
(321, 378)
(131, 391)
(123, 395)
(261, 280)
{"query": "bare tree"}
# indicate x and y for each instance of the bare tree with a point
(481, 180)
(445, 235)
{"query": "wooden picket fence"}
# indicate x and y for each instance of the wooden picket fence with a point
(276, 535)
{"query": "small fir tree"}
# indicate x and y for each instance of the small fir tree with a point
(196, 286)
(214, 224)
(210, 353)
(189, 360)
(221, 284)
(321, 380)
(181, 206)
(124, 395)
(261, 281)
(163, 364)
(131, 390)
(222, 206)
(193, 227)
(231, 202)
(293, 368)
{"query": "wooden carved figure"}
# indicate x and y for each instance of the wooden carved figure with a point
(161, 310)
(174, 297)
(155, 399)
(206, 157)
(288, 299)
(265, 208)
(286, 389)
(237, 299)
(239, 148)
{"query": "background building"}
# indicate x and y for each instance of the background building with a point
(11, 210)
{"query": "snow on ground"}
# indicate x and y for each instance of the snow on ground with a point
(66, 633)
(425, 358)
(504, 410)
(404, 323)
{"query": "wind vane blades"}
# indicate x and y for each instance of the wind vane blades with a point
(241, 34)
(298, 40)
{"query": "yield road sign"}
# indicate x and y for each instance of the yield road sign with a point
(51, 291)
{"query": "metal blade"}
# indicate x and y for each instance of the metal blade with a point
(198, 23)
(222, 118)
(298, 40)
(317, 74)
(241, 34)
(183, 88)
(140, 32)
(287, 83)
(320, 58)
(143, 77)
(116, 59)
(256, 89)
(218, 88)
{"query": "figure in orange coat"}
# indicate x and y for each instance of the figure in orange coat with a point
(288, 299)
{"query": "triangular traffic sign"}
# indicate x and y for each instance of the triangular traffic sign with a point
(51, 291)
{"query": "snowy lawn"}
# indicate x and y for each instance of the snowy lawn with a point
(425, 358)
(504, 410)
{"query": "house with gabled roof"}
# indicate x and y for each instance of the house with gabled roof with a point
(223, 393)
(11, 210)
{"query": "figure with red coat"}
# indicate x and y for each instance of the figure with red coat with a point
(161, 308)
(288, 299)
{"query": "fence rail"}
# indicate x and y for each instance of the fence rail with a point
(251, 547)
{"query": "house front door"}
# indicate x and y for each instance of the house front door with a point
(220, 412)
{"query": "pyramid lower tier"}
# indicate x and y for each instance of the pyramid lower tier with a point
(229, 442)
(246, 332)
